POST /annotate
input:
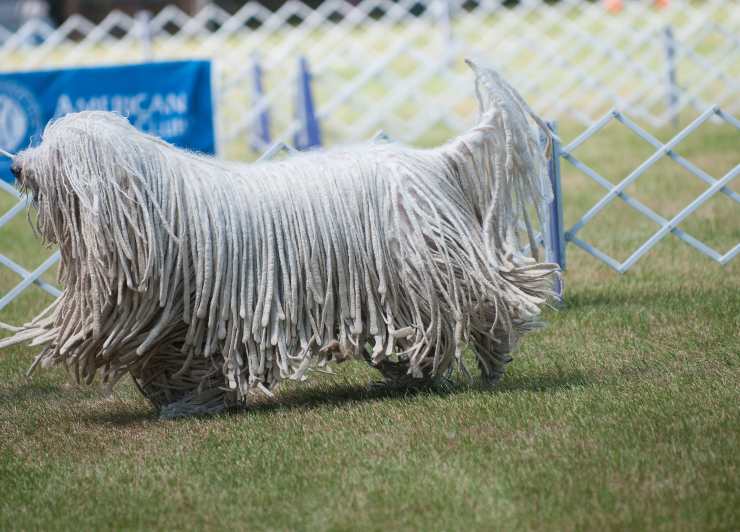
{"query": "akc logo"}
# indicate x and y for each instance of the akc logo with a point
(20, 116)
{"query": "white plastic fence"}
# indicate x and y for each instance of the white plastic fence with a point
(398, 66)
(716, 185)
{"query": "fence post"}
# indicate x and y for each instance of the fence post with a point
(445, 18)
(143, 19)
(556, 233)
(672, 87)
(261, 138)
(309, 135)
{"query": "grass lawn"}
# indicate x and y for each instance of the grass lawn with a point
(623, 413)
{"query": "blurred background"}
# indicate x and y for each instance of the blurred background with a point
(397, 66)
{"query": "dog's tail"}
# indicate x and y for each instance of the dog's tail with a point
(495, 93)
(510, 148)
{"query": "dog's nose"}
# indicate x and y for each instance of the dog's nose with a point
(15, 168)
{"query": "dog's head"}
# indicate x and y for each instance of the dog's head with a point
(79, 156)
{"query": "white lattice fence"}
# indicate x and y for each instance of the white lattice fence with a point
(616, 192)
(382, 64)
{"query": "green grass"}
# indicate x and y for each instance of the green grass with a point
(623, 413)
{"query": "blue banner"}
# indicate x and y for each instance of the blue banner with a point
(170, 99)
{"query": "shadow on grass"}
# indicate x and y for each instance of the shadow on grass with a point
(586, 299)
(31, 390)
(543, 383)
(349, 394)
(123, 417)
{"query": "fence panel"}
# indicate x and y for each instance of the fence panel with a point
(617, 191)
(27, 278)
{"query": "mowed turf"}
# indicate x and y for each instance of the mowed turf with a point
(623, 413)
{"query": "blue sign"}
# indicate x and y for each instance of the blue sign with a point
(171, 100)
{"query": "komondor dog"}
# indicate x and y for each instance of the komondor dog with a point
(207, 281)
